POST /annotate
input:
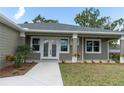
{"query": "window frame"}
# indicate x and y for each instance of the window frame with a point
(31, 44)
(67, 46)
(92, 52)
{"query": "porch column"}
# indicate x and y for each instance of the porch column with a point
(122, 49)
(74, 47)
(22, 38)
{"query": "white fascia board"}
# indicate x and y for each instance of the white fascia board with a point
(75, 32)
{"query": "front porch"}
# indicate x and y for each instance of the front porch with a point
(74, 46)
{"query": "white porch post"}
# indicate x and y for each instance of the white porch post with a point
(74, 47)
(122, 49)
(22, 38)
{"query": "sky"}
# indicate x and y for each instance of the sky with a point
(63, 15)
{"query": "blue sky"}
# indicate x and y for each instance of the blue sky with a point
(64, 15)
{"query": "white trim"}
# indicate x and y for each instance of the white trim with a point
(49, 38)
(49, 56)
(65, 52)
(74, 59)
(76, 32)
(82, 49)
(122, 37)
(92, 46)
(121, 59)
(74, 36)
(22, 34)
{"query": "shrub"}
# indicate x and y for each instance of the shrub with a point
(116, 58)
(22, 53)
(10, 58)
(19, 61)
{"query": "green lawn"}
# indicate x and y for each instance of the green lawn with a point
(92, 74)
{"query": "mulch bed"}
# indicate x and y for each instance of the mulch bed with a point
(12, 71)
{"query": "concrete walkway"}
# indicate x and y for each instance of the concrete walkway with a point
(43, 74)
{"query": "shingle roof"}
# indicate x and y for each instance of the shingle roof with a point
(58, 26)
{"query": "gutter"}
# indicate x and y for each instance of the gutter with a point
(74, 32)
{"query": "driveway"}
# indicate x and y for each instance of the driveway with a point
(43, 74)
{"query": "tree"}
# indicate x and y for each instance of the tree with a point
(51, 21)
(117, 25)
(40, 19)
(90, 17)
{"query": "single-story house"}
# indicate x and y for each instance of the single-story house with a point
(56, 41)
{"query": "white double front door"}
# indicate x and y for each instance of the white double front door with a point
(50, 49)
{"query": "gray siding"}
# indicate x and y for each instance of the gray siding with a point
(68, 56)
(8, 42)
(35, 56)
(102, 56)
(27, 41)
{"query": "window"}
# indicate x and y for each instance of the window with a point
(64, 45)
(93, 46)
(36, 44)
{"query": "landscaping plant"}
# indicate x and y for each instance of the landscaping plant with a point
(19, 60)
(24, 51)
(22, 54)
(116, 58)
(10, 58)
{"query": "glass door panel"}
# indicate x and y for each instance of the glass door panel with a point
(46, 49)
(54, 49)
